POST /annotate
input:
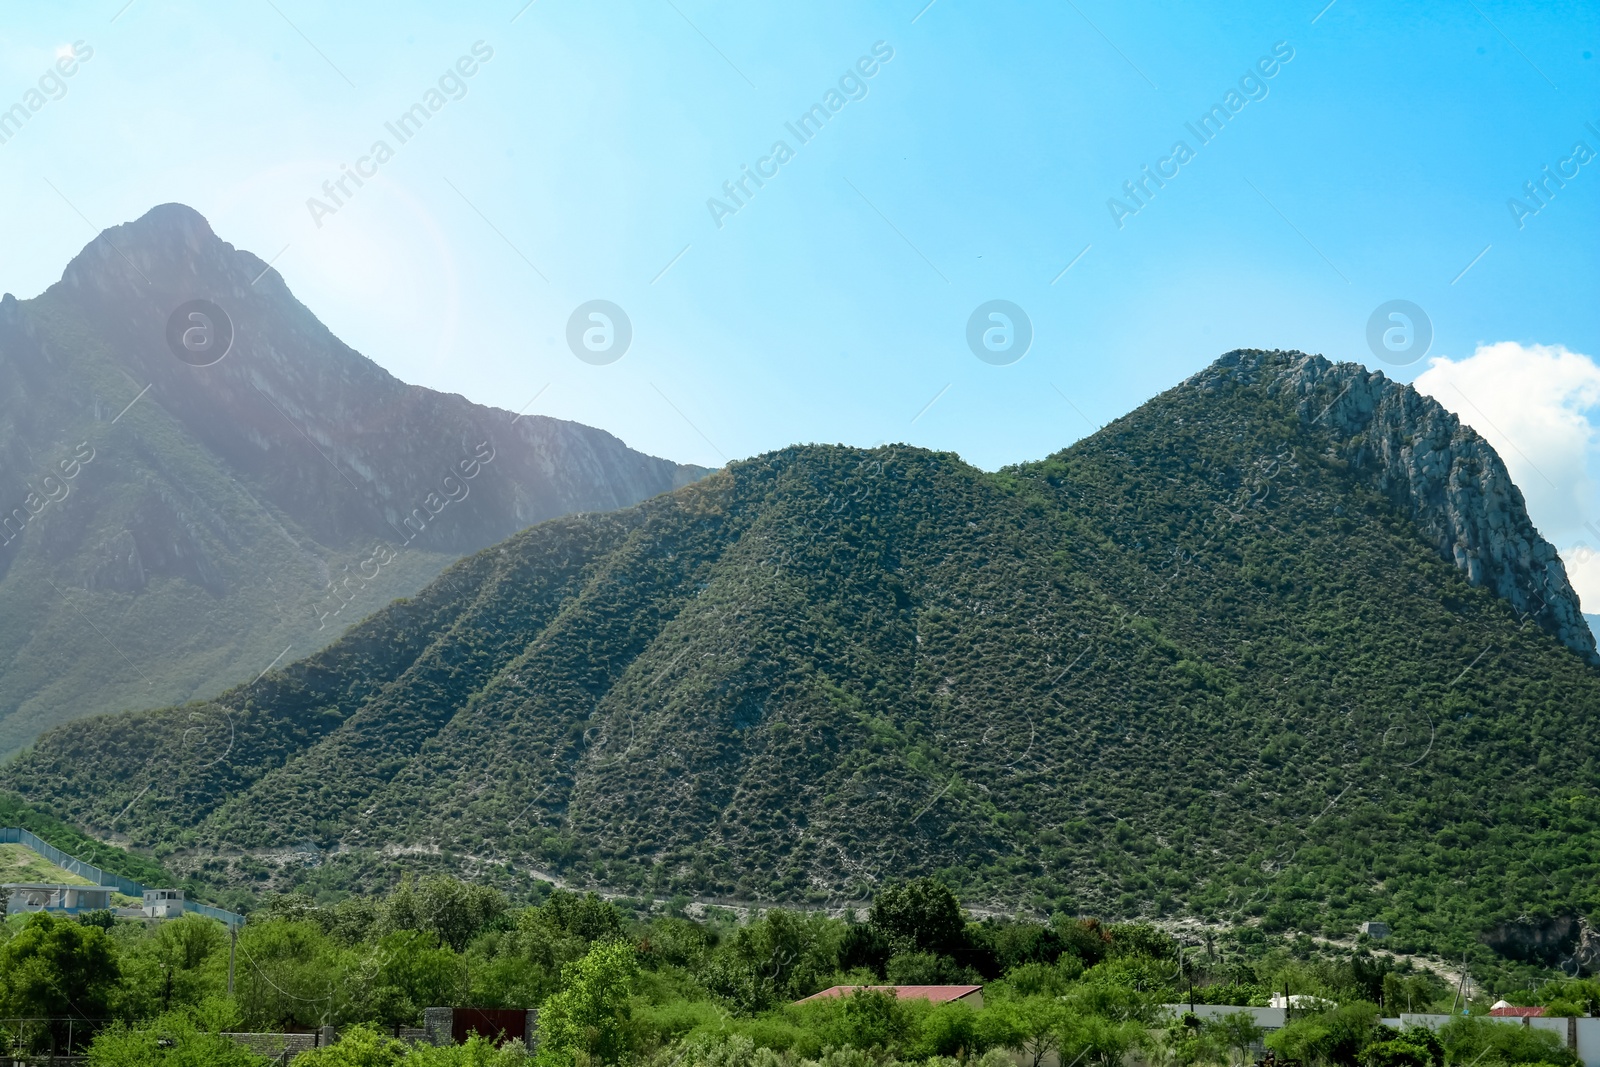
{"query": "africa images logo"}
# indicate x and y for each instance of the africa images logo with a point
(199, 333)
(999, 332)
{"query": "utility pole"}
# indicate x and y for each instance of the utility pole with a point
(233, 946)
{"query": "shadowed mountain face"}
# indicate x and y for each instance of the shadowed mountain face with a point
(167, 529)
(1279, 644)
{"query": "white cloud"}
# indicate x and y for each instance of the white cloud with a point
(1537, 405)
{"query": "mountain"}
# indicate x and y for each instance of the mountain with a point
(168, 530)
(1280, 645)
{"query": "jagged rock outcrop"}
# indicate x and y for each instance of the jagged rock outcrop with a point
(1562, 941)
(1586, 951)
(1438, 471)
(1543, 939)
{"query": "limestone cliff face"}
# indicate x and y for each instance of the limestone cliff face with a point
(1436, 470)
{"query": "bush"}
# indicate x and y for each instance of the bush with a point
(1397, 1053)
(1489, 1041)
(1330, 1037)
(171, 1041)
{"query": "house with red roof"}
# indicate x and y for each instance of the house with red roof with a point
(939, 994)
(1502, 1010)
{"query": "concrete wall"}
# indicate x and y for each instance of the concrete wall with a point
(274, 1046)
(1266, 1018)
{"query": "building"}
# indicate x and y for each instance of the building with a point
(451, 1026)
(1375, 930)
(939, 994)
(1502, 1010)
(163, 903)
(24, 897)
(1301, 1002)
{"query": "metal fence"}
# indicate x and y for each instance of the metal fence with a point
(227, 917)
(15, 835)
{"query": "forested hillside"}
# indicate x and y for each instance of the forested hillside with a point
(1279, 645)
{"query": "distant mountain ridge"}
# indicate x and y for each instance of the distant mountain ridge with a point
(1280, 646)
(218, 516)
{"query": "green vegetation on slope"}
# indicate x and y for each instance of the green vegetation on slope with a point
(1198, 663)
(75, 843)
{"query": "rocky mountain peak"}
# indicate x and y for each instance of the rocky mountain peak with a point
(1436, 469)
(275, 484)
(170, 246)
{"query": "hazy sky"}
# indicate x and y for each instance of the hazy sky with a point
(1369, 153)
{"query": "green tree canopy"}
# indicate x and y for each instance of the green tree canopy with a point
(587, 1023)
(59, 969)
(921, 915)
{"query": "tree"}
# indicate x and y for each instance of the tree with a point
(781, 956)
(1487, 1041)
(587, 917)
(522, 965)
(949, 1029)
(178, 964)
(999, 946)
(58, 969)
(290, 973)
(455, 911)
(1141, 939)
(871, 1019)
(925, 968)
(359, 1046)
(1236, 1032)
(1033, 979)
(410, 973)
(588, 1022)
(1030, 1025)
(1084, 938)
(1098, 1041)
(922, 915)
(1395, 1053)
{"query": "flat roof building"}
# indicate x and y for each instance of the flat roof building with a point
(163, 903)
(24, 897)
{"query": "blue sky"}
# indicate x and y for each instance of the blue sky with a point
(1375, 164)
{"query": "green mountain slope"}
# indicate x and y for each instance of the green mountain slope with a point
(167, 530)
(1279, 645)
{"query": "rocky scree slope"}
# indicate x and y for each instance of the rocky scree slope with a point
(1220, 658)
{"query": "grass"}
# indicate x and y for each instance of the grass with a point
(19, 863)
